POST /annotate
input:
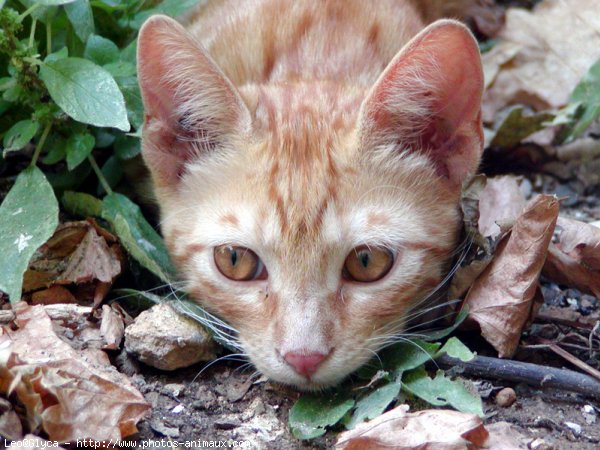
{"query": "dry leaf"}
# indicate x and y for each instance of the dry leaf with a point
(112, 328)
(79, 254)
(535, 63)
(505, 436)
(398, 429)
(502, 298)
(69, 394)
(575, 259)
(500, 202)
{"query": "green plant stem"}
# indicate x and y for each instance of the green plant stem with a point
(28, 11)
(40, 144)
(49, 37)
(99, 174)
(32, 32)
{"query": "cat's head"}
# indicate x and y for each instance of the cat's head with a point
(314, 219)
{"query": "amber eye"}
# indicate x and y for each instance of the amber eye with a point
(367, 264)
(239, 263)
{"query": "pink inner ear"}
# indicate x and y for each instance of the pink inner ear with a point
(429, 99)
(190, 105)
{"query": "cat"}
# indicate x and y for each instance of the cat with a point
(308, 158)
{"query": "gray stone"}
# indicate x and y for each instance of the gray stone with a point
(162, 338)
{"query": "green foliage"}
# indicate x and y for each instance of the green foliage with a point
(311, 414)
(25, 226)
(70, 106)
(401, 373)
(137, 236)
(583, 107)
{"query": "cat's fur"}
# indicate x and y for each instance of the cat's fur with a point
(302, 129)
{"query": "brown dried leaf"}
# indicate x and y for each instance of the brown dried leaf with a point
(52, 296)
(78, 254)
(534, 64)
(69, 394)
(501, 202)
(112, 328)
(423, 430)
(502, 298)
(575, 259)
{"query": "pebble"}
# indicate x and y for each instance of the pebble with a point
(575, 428)
(540, 444)
(166, 340)
(589, 414)
(179, 408)
(174, 389)
(506, 397)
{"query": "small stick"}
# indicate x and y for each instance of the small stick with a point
(532, 374)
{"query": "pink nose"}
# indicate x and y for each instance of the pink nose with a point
(304, 364)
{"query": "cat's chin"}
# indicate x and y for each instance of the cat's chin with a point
(310, 385)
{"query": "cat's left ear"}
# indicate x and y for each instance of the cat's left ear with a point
(428, 100)
(190, 106)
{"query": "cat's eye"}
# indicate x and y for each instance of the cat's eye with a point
(366, 264)
(239, 263)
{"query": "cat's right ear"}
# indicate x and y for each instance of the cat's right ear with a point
(190, 105)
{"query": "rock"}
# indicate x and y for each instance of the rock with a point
(506, 397)
(173, 389)
(540, 444)
(574, 427)
(589, 414)
(162, 338)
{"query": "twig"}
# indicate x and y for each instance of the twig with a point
(532, 374)
(572, 359)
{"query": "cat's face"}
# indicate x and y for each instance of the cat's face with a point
(305, 218)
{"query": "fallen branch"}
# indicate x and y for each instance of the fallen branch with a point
(532, 374)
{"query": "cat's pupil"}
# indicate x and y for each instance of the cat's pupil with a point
(364, 259)
(234, 256)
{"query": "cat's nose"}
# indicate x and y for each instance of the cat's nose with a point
(303, 363)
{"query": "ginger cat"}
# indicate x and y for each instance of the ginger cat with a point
(308, 158)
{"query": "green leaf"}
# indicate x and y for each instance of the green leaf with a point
(137, 236)
(78, 147)
(54, 2)
(113, 173)
(28, 217)
(19, 135)
(86, 92)
(81, 17)
(587, 95)
(312, 414)
(408, 355)
(81, 204)
(374, 404)
(120, 69)
(440, 334)
(127, 147)
(517, 126)
(101, 50)
(56, 147)
(133, 98)
(60, 54)
(173, 8)
(442, 391)
(129, 53)
(43, 13)
(456, 349)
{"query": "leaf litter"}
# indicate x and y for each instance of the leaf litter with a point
(67, 394)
